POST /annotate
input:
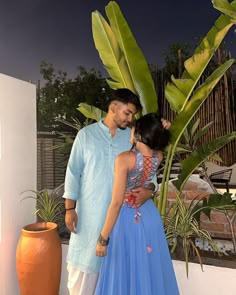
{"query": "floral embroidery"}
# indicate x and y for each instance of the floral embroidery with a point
(149, 249)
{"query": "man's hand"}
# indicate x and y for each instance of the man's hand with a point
(101, 250)
(141, 194)
(71, 220)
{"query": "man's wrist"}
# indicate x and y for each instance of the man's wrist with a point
(69, 208)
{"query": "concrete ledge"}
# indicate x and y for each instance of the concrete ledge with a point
(213, 280)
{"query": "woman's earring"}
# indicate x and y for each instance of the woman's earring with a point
(137, 138)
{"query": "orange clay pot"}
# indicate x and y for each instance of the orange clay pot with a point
(38, 259)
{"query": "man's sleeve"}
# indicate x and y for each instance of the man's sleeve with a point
(74, 170)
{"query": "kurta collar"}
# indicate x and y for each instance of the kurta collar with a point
(106, 129)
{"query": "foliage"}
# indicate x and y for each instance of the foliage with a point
(182, 227)
(121, 56)
(225, 204)
(59, 97)
(182, 223)
(186, 95)
(49, 207)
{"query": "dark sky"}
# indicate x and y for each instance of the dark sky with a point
(59, 31)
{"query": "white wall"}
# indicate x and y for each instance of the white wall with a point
(17, 171)
(213, 280)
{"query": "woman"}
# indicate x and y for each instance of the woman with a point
(138, 260)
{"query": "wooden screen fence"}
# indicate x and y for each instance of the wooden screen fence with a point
(50, 162)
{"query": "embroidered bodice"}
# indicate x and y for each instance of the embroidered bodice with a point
(143, 171)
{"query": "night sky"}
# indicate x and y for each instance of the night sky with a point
(59, 31)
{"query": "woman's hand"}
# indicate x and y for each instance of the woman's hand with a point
(101, 250)
(165, 123)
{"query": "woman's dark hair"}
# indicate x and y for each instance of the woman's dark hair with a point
(150, 131)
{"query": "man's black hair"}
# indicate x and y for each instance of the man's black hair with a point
(125, 96)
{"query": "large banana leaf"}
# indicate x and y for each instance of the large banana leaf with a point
(134, 57)
(91, 112)
(221, 202)
(179, 91)
(201, 132)
(111, 54)
(185, 116)
(225, 7)
(199, 156)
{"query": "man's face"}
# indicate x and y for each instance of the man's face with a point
(123, 114)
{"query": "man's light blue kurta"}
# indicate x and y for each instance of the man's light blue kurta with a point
(89, 180)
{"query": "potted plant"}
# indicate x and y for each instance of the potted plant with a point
(39, 251)
(182, 226)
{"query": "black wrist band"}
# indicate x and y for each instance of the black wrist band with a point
(102, 241)
(72, 208)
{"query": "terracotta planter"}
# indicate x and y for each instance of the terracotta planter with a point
(38, 259)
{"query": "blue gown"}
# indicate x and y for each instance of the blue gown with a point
(138, 261)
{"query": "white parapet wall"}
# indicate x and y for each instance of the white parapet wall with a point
(17, 171)
(213, 280)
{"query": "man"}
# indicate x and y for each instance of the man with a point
(88, 187)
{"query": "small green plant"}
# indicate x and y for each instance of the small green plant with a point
(182, 227)
(226, 204)
(49, 207)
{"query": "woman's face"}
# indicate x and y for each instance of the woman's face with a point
(131, 140)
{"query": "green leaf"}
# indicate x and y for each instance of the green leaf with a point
(194, 127)
(221, 202)
(183, 148)
(185, 116)
(202, 131)
(179, 91)
(199, 156)
(225, 7)
(111, 54)
(134, 59)
(91, 111)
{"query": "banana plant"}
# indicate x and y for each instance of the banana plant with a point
(122, 58)
(127, 67)
(186, 95)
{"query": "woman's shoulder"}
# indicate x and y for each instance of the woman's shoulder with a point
(127, 158)
(125, 155)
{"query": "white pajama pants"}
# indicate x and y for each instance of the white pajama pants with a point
(81, 283)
